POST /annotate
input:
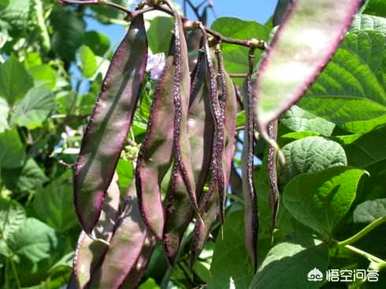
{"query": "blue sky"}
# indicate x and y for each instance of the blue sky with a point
(256, 10)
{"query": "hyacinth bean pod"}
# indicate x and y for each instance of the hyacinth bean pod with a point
(228, 104)
(89, 253)
(307, 38)
(249, 193)
(272, 172)
(109, 124)
(126, 246)
(181, 95)
(210, 202)
(200, 132)
(135, 275)
(155, 156)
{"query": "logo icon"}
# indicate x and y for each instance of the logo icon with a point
(315, 275)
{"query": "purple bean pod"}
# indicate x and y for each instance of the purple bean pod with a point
(109, 124)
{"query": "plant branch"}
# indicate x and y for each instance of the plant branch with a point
(368, 256)
(362, 233)
(250, 43)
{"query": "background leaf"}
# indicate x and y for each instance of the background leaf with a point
(34, 240)
(370, 210)
(11, 150)
(287, 266)
(53, 204)
(351, 90)
(34, 108)
(14, 80)
(310, 155)
(12, 216)
(320, 200)
(236, 57)
(231, 267)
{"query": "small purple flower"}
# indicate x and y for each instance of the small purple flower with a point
(155, 65)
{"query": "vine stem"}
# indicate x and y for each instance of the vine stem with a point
(362, 233)
(18, 284)
(374, 259)
(251, 43)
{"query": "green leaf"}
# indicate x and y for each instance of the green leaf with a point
(12, 153)
(34, 240)
(160, 33)
(369, 211)
(376, 7)
(16, 14)
(149, 284)
(367, 22)
(351, 90)
(236, 57)
(287, 266)
(97, 41)
(4, 109)
(34, 108)
(3, 3)
(298, 119)
(53, 204)
(43, 75)
(12, 215)
(368, 149)
(231, 267)
(125, 170)
(88, 61)
(312, 154)
(27, 179)
(320, 200)
(68, 33)
(14, 80)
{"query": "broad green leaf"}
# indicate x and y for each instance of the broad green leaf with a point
(320, 200)
(34, 108)
(16, 14)
(231, 267)
(4, 109)
(236, 57)
(125, 172)
(297, 135)
(34, 240)
(149, 284)
(160, 33)
(312, 154)
(298, 119)
(376, 7)
(12, 153)
(88, 61)
(369, 211)
(12, 216)
(368, 149)
(368, 22)
(27, 179)
(3, 3)
(53, 204)
(14, 80)
(287, 265)
(44, 75)
(68, 33)
(97, 41)
(351, 90)
(297, 54)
